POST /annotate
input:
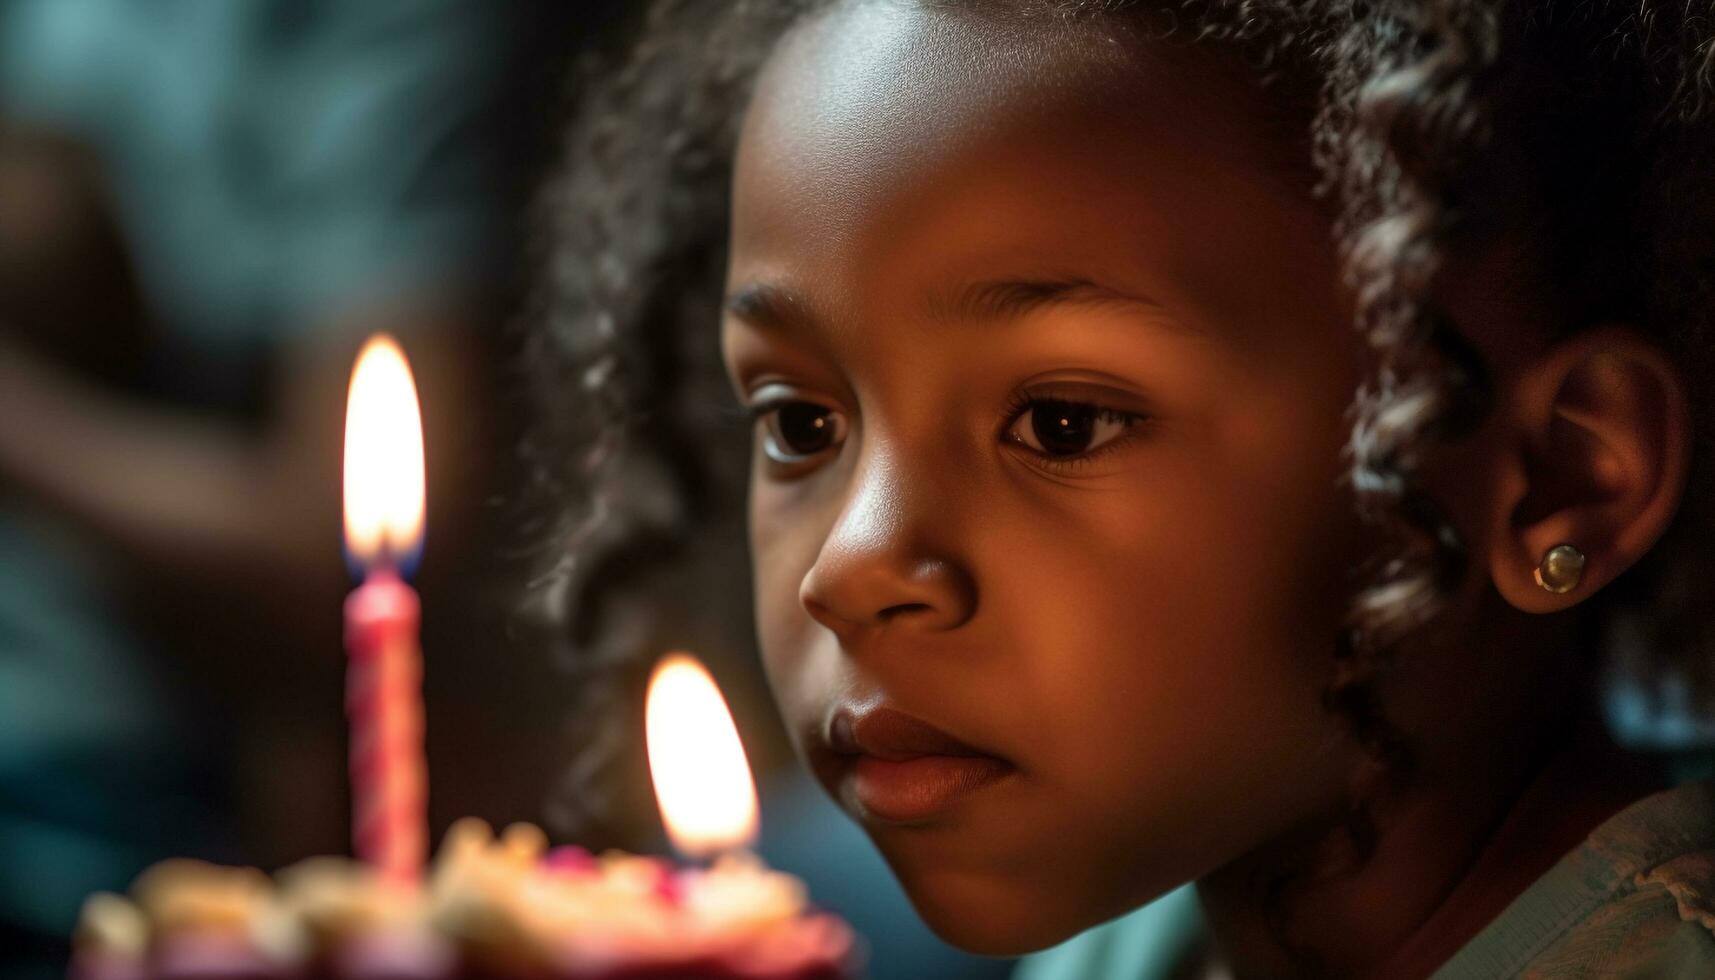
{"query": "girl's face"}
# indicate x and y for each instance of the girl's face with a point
(1048, 539)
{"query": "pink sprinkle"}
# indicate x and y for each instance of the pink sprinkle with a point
(570, 859)
(669, 887)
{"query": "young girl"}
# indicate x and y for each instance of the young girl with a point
(1210, 441)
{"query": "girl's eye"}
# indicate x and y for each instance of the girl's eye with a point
(794, 431)
(1062, 431)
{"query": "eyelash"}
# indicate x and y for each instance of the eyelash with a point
(1019, 403)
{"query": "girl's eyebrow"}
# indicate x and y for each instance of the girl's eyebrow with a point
(770, 306)
(776, 307)
(1007, 299)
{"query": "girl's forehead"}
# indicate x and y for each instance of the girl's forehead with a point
(860, 61)
(891, 144)
(910, 80)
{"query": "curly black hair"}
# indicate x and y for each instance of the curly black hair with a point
(1582, 128)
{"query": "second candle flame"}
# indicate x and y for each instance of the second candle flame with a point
(702, 781)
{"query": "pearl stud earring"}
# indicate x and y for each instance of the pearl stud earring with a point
(1561, 569)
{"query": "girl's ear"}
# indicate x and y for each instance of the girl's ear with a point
(1599, 445)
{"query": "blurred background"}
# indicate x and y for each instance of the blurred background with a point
(205, 208)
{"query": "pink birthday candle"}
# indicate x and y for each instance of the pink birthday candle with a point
(384, 497)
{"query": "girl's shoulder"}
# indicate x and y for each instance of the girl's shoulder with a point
(1636, 899)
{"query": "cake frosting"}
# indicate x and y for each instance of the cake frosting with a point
(504, 907)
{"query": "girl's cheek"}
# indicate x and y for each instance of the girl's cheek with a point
(782, 547)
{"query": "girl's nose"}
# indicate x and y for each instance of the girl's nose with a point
(879, 565)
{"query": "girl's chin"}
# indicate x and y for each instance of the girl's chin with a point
(997, 917)
(989, 931)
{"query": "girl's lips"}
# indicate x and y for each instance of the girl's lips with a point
(913, 790)
(902, 769)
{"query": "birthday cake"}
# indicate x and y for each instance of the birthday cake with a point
(490, 908)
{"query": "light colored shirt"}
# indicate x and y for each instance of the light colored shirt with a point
(1636, 899)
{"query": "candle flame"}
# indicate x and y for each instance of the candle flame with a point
(702, 781)
(383, 456)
